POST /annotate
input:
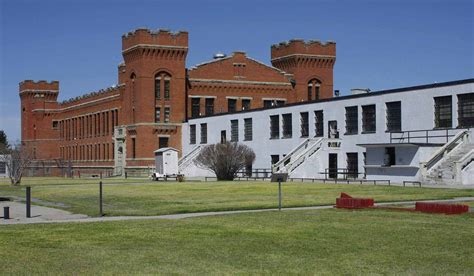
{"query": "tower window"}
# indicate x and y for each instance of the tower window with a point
(167, 88)
(157, 114)
(157, 87)
(443, 112)
(313, 89)
(133, 148)
(167, 114)
(162, 82)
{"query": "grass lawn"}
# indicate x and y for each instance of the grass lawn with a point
(290, 242)
(155, 198)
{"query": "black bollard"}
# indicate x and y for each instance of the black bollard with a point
(28, 202)
(6, 212)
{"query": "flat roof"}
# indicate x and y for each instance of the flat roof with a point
(340, 98)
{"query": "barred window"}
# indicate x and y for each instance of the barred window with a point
(352, 120)
(209, 106)
(368, 118)
(394, 116)
(157, 114)
(274, 127)
(319, 123)
(352, 165)
(443, 112)
(167, 114)
(287, 126)
(304, 119)
(248, 131)
(195, 107)
(231, 105)
(203, 133)
(234, 130)
(192, 134)
(466, 110)
(167, 88)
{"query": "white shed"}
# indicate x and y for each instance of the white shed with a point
(166, 161)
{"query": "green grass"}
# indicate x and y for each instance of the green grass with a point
(292, 242)
(158, 198)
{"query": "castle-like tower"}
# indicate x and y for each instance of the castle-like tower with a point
(118, 129)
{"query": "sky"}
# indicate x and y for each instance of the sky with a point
(381, 44)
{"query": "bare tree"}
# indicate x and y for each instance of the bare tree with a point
(225, 159)
(17, 158)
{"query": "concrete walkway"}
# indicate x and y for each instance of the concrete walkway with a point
(52, 215)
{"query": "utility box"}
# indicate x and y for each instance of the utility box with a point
(166, 162)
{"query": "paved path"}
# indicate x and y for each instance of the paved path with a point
(51, 215)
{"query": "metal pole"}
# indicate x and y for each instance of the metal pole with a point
(279, 194)
(100, 200)
(28, 202)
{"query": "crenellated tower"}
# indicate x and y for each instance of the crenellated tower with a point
(311, 64)
(38, 127)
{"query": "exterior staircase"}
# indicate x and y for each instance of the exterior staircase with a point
(187, 160)
(298, 155)
(446, 165)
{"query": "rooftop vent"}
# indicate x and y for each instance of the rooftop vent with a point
(356, 91)
(219, 55)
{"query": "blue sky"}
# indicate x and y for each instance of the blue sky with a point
(380, 44)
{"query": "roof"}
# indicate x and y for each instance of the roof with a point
(165, 149)
(379, 145)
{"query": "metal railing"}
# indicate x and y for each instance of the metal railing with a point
(185, 160)
(298, 155)
(444, 150)
(424, 136)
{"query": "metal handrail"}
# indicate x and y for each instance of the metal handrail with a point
(448, 147)
(185, 159)
(298, 157)
(288, 156)
(428, 133)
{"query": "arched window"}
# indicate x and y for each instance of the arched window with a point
(313, 89)
(162, 83)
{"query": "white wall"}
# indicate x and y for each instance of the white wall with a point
(417, 114)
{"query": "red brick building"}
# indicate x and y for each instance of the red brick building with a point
(118, 128)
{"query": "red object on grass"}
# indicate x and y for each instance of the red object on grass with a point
(348, 202)
(429, 207)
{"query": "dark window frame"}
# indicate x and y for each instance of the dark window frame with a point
(287, 125)
(248, 129)
(466, 110)
(192, 134)
(443, 115)
(304, 124)
(369, 118)
(394, 116)
(203, 133)
(352, 120)
(195, 107)
(275, 127)
(319, 123)
(209, 103)
(234, 130)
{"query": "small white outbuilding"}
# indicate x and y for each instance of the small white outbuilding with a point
(166, 162)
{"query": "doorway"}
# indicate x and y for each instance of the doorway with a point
(332, 171)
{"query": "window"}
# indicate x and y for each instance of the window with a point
(195, 107)
(274, 127)
(209, 106)
(267, 103)
(192, 134)
(466, 110)
(55, 124)
(443, 112)
(157, 86)
(287, 126)
(313, 89)
(245, 104)
(304, 119)
(3, 168)
(319, 123)
(351, 120)
(368, 118)
(248, 131)
(157, 114)
(231, 105)
(167, 88)
(275, 158)
(163, 142)
(394, 116)
(389, 159)
(280, 103)
(234, 130)
(167, 114)
(133, 148)
(352, 165)
(203, 133)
